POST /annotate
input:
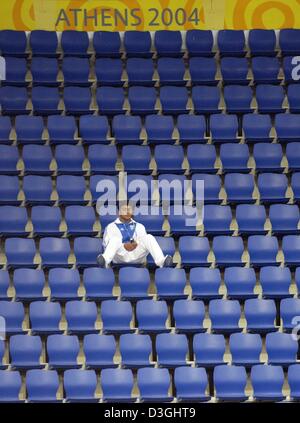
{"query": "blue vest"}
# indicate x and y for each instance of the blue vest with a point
(127, 230)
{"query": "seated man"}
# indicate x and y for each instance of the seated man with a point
(126, 241)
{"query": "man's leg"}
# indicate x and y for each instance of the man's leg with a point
(111, 249)
(149, 243)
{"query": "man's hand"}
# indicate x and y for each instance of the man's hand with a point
(130, 246)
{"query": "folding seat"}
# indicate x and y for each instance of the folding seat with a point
(140, 72)
(127, 129)
(235, 70)
(71, 189)
(183, 220)
(98, 283)
(168, 43)
(228, 251)
(42, 386)
(80, 220)
(289, 310)
(170, 283)
(25, 352)
(99, 351)
(94, 129)
(107, 44)
(275, 282)
(5, 129)
(135, 351)
(272, 188)
(263, 250)
(167, 244)
(209, 349)
(230, 383)
(205, 283)
(171, 349)
(154, 384)
(9, 157)
(9, 190)
(29, 129)
(62, 351)
(77, 100)
(20, 252)
(69, 159)
(262, 42)
(206, 99)
(202, 158)
(37, 160)
(211, 186)
(203, 70)
(217, 220)
(45, 71)
(245, 349)
(223, 128)
(191, 384)
(287, 128)
(117, 385)
(291, 249)
(293, 94)
(231, 43)
(109, 72)
(46, 101)
(116, 317)
(142, 100)
(295, 185)
(257, 128)
(75, 43)
(54, 252)
(194, 251)
(239, 188)
(29, 284)
(293, 380)
(189, 316)
(46, 221)
(137, 43)
(224, 316)
(234, 157)
(171, 71)
(86, 250)
(10, 386)
(43, 43)
(76, 71)
(110, 100)
(14, 100)
(81, 317)
(2, 352)
(289, 42)
(292, 152)
(260, 315)
(134, 283)
(136, 159)
(152, 316)
(80, 385)
(270, 98)
(45, 317)
(169, 158)
(13, 43)
(284, 219)
(265, 70)
(199, 42)
(172, 188)
(267, 382)
(153, 221)
(268, 157)
(16, 72)
(191, 129)
(13, 313)
(281, 349)
(238, 99)
(159, 129)
(64, 284)
(174, 100)
(240, 283)
(4, 284)
(288, 66)
(99, 185)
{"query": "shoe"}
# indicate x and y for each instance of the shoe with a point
(101, 261)
(168, 262)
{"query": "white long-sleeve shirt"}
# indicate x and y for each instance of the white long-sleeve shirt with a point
(112, 231)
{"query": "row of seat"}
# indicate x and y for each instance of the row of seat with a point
(139, 43)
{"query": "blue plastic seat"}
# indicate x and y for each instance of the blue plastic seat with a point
(275, 282)
(238, 98)
(77, 100)
(265, 70)
(191, 384)
(260, 315)
(269, 98)
(2, 352)
(63, 351)
(107, 44)
(289, 42)
(110, 100)
(281, 349)
(231, 43)
(183, 221)
(20, 252)
(44, 71)
(127, 129)
(98, 283)
(80, 385)
(203, 70)
(292, 152)
(54, 252)
(74, 43)
(140, 71)
(117, 385)
(168, 43)
(230, 383)
(171, 349)
(172, 188)
(224, 316)
(135, 351)
(37, 160)
(116, 317)
(174, 100)
(137, 43)
(71, 189)
(13, 221)
(14, 100)
(109, 72)
(262, 42)
(46, 221)
(205, 283)
(188, 316)
(234, 70)
(69, 159)
(245, 349)
(81, 317)
(191, 128)
(169, 158)
(153, 221)
(228, 251)
(272, 188)
(239, 188)
(295, 184)
(257, 128)
(284, 219)
(45, 100)
(5, 129)
(134, 283)
(171, 71)
(212, 187)
(268, 157)
(267, 382)
(223, 128)
(159, 129)
(45, 317)
(9, 157)
(10, 386)
(240, 282)
(99, 351)
(293, 94)
(94, 129)
(9, 190)
(152, 316)
(16, 70)
(29, 284)
(13, 313)
(64, 284)
(142, 100)
(289, 310)
(209, 349)
(42, 386)
(199, 42)
(294, 380)
(4, 284)
(288, 68)
(13, 43)
(80, 220)
(25, 352)
(86, 250)
(76, 71)
(206, 99)
(99, 183)
(194, 251)
(202, 158)
(29, 129)
(291, 248)
(263, 250)
(43, 43)
(217, 220)
(234, 157)
(136, 159)
(170, 283)
(154, 385)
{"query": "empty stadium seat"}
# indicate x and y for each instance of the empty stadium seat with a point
(209, 349)
(42, 386)
(154, 385)
(260, 315)
(293, 94)
(44, 71)
(77, 100)
(142, 100)
(127, 129)
(13, 43)
(10, 386)
(4, 284)
(20, 252)
(69, 159)
(194, 251)
(134, 283)
(45, 317)
(62, 351)
(37, 160)
(169, 159)
(265, 70)
(234, 157)
(37, 190)
(9, 190)
(102, 158)
(293, 380)
(189, 316)
(159, 129)
(136, 159)
(99, 184)
(93, 129)
(14, 100)
(230, 383)
(61, 129)
(16, 72)
(231, 43)
(99, 351)
(174, 100)
(71, 189)
(86, 250)
(46, 221)
(43, 43)
(76, 71)
(262, 42)
(29, 284)
(171, 350)
(289, 41)
(206, 99)
(290, 248)
(80, 220)
(13, 221)
(109, 72)
(238, 98)
(140, 71)
(263, 250)
(25, 352)
(5, 129)
(284, 219)
(170, 283)
(223, 128)
(202, 158)
(267, 382)
(295, 184)
(191, 384)
(217, 220)
(80, 385)
(137, 43)
(268, 157)
(135, 350)
(152, 316)
(171, 71)
(203, 70)
(45, 100)
(168, 43)
(269, 98)
(74, 43)
(257, 128)
(81, 317)
(13, 313)
(116, 316)
(289, 310)
(281, 348)
(224, 316)
(199, 42)
(191, 128)
(275, 282)
(211, 186)
(293, 156)
(205, 283)
(183, 221)
(239, 188)
(54, 252)
(245, 349)
(234, 70)
(251, 219)
(117, 385)
(228, 251)
(240, 282)
(98, 283)
(107, 44)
